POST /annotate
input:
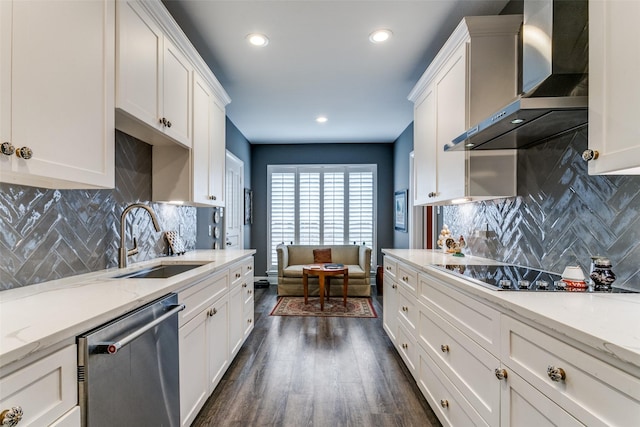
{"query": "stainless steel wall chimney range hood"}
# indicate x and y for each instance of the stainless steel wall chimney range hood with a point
(553, 76)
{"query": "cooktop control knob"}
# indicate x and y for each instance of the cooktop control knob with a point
(505, 284)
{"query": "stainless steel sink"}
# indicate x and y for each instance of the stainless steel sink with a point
(163, 271)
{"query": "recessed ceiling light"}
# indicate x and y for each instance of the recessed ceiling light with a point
(259, 40)
(380, 36)
(321, 119)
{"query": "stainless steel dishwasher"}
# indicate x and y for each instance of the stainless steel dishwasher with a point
(128, 371)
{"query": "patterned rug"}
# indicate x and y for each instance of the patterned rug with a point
(295, 306)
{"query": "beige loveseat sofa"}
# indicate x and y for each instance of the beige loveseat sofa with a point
(291, 259)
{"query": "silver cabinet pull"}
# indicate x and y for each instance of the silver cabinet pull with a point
(113, 347)
(11, 417)
(501, 374)
(7, 149)
(589, 154)
(24, 153)
(556, 374)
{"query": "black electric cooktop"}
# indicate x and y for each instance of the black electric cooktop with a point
(517, 278)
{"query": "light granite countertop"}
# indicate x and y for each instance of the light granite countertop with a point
(608, 324)
(37, 317)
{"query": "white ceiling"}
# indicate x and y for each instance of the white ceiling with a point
(319, 61)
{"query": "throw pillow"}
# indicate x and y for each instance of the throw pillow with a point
(321, 256)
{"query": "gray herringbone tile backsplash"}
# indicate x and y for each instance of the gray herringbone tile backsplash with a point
(561, 216)
(51, 234)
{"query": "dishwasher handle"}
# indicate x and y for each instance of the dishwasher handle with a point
(114, 346)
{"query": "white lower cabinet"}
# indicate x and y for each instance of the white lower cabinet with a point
(477, 365)
(46, 390)
(212, 330)
(390, 308)
(468, 366)
(524, 406)
(445, 399)
(594, 392)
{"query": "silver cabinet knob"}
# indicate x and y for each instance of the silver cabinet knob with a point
(212, 312)
(556, 374)
(24, 153)
(213, 198)
(444, 403)
(590, 154)
(7, 149)
(11, 417)
(168, 124)
(444, 348)
(244, 285)
(432, 194)
(501, 374)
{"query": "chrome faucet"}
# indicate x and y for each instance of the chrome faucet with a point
(123, 251)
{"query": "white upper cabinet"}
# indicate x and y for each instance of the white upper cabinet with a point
(154, 80)
(195, 176)
(614, 89)
(473, 75)
(168, 97)
(57, 93)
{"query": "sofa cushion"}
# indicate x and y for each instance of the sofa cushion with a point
(355, 271)
(322, 256)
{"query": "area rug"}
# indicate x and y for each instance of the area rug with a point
(295, 306)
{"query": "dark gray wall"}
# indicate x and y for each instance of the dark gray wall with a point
(51, 234)
(263, 155)
(561, 215)
(402, 148)
(238, 145)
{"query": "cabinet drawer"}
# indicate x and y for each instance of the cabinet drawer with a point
(247, 268)
(446, 401)
(524, 406)
(593, 391)
(407, 277)
(199, 296)
(467, 365)
(407, 311)
(236, 274)
(475, 319)
(45, 390)
(390, 268)
(406, 345)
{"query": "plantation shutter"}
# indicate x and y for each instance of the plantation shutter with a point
(282, 212)
(321, 205)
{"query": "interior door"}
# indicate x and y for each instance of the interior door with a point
(234, 197)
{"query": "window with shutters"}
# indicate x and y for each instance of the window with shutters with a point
(321, 205)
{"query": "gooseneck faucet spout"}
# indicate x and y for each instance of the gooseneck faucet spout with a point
(123, 251)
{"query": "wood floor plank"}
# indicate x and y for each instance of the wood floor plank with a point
(314, 371)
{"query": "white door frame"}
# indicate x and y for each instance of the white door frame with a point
(234, 200)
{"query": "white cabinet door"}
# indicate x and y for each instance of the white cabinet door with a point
(424, 148)
(390, 307)
(56, 85)
(176, 94)
(194, 365)
(218, 154)
(202, 153)
(154, 80)
(218, 341)
(139, 44)
(451, 121)
(236, 319)
(613, 94)
(45, 390)
(524, 406)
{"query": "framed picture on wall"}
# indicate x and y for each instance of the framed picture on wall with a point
(400, 210)
(248, 206)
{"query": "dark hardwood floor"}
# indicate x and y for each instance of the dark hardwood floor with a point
(298, 371)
